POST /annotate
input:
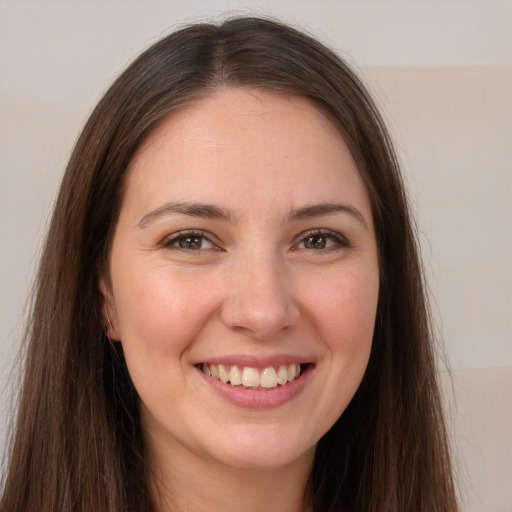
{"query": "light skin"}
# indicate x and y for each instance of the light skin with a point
(246, 236)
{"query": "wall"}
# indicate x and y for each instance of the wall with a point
(441, 70)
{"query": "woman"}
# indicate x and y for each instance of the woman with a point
(230, 310)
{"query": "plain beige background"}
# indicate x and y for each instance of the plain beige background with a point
(441, 71)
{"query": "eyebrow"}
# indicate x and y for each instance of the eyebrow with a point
(209, 211)
(318, 210)
(206, 211)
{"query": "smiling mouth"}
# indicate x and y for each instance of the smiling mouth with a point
(251, 378)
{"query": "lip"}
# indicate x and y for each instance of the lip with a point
(254, 399)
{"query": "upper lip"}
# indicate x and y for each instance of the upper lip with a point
(253, 361)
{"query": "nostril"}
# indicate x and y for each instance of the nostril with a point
(259, 319)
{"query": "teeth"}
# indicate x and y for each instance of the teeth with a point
(214, 372)
(250, 377)
(235, 377)
(282, 375)
(268, 378)
(223, 374)
(292, 370)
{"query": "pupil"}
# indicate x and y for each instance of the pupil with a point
(315, 242)
(190, 242)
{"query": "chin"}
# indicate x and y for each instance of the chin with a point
(268, 452)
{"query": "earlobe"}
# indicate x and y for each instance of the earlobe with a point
(109, 328)
(108, 311)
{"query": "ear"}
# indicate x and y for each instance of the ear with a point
(108, 310)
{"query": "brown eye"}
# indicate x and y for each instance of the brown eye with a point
(315, 242)
(189, 242)
(322, 240)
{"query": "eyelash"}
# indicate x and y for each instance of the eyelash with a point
(338, 241)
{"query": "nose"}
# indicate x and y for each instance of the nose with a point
(259, 299)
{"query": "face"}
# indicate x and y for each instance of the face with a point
(243, 279)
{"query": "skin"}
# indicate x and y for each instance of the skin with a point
(254, 286)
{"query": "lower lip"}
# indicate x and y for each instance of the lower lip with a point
(256, 399)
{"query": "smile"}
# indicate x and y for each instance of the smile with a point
(247, 377)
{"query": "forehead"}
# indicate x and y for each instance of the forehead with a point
(245, 144)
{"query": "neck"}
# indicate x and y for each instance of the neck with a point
(188, 483)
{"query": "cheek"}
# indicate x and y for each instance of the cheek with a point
(154, 310)
(343, 310)
(342, 313)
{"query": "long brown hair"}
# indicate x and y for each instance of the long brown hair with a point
(78, 443)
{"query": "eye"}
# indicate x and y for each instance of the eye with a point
(321, 240)
(189, 241)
